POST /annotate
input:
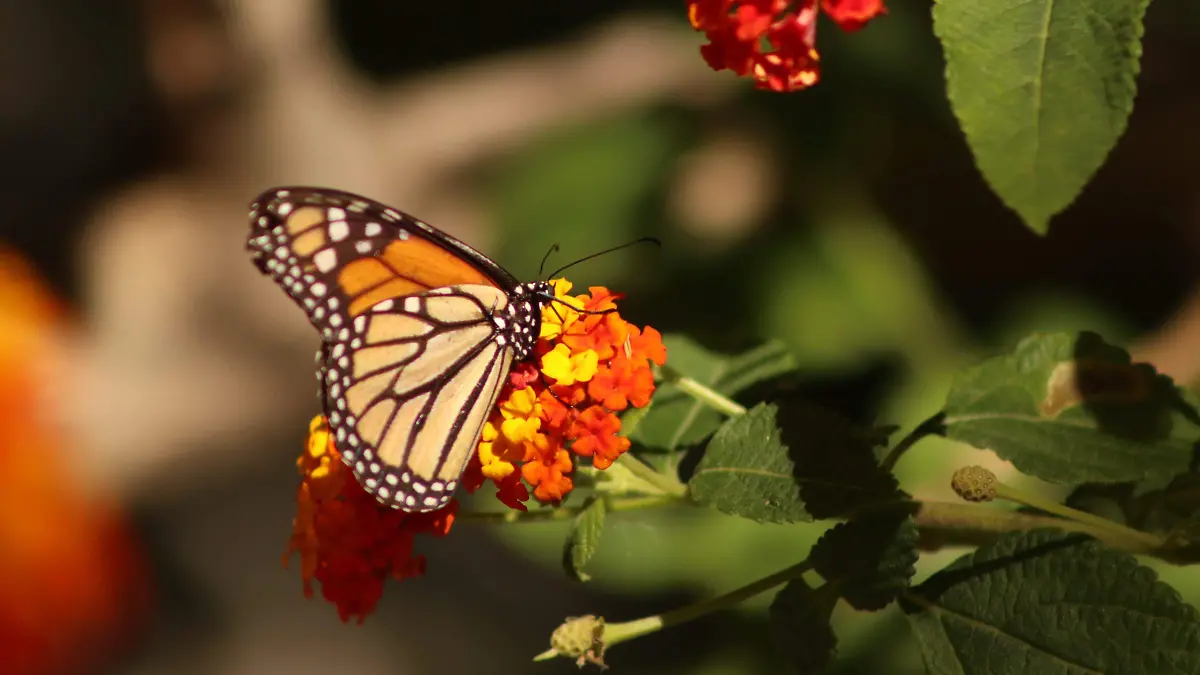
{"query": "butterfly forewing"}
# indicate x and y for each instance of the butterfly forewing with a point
(338, 254)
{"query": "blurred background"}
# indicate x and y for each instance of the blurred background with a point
(155, 389)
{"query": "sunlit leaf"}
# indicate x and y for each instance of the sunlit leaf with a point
(746, 471)
(1073, 409)
(1043, 89)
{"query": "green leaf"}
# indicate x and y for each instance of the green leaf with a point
(791, 462)
(818, 465)
(871, 559)
(835, 461)
(1072, 409)
(799, 620)
(1042, 89)
(632, 418)
(1045, 602)
(584, 538)
(676, 420)
(746, 471)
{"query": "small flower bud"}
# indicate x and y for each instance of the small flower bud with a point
(580, 638)
(974, 484)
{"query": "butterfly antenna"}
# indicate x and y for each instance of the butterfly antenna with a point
(546, 257)
(551, 299)
(643, 240)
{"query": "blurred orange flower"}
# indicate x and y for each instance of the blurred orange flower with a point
(346, 539)
(739, 33)
(73, 582)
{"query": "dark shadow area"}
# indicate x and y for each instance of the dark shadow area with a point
(834, 461)
(1128, 400)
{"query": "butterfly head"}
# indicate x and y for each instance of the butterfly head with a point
(543, 291)
(524, 321)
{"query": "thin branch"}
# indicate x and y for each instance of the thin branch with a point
(669, 485)
(949, 522)
(616, 633)
(934, 426)
(708, 396)
(565, 512)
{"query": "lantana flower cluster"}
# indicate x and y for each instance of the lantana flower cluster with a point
(589, 364)
(772, 41)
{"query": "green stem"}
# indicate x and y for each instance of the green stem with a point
(957, 524)
(669, 485)
(616, 633)
(1127, 537)
(935, 425)
(565, 512)
(704, 394)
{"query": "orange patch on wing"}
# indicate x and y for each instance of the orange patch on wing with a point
(397, 287)
(304, 218)
(308, 243)
(405, 267)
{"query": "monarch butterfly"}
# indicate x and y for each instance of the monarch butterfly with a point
(419, 332)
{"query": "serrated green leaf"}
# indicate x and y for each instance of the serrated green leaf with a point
(746, 471)
(676, 420)
(815, 465)
(799, 620)
(1072, 409)
(870, 559)
(1045, 602)
(584, 538)
(835, 461)
(1043, 89)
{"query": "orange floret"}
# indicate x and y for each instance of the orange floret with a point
(595, 432)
